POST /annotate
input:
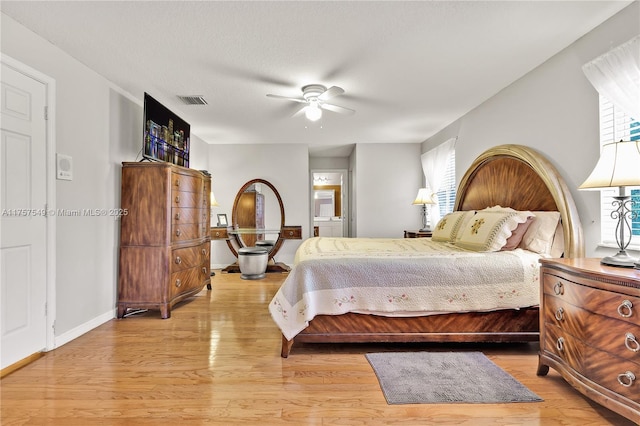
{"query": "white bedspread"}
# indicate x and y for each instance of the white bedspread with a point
(400, 277)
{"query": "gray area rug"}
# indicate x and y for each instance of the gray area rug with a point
(445, 377)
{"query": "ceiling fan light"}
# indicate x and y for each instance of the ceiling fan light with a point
(313, 112)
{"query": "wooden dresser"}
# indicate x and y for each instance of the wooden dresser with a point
(590, 330)
(164, 237)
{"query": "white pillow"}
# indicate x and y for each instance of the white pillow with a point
(489, 230)
(539, 236)
(448, 227)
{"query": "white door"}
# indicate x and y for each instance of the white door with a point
(23, 223)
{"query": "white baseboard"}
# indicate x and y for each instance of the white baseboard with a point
(83, 328)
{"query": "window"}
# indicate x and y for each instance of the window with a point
(447, 193)
(616, 125)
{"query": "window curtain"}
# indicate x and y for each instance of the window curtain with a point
(616, 76)
(434, 163)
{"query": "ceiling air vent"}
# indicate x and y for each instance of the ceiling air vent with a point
(193, 100)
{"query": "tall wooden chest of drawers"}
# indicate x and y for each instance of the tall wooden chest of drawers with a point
(590, 330)
(164, 236)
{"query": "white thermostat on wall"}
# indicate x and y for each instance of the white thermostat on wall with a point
(64, 167)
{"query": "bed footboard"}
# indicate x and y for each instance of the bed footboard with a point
(472, 327)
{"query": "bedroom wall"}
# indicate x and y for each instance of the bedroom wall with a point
(555, 110)
(387, 180)
(100, 126)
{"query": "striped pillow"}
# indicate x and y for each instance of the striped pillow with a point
(489, 230)
(448, 227)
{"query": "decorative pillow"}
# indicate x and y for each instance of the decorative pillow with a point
(489, 230)
(516, 236)
(467, 217)
(447, 228)
(539, 236)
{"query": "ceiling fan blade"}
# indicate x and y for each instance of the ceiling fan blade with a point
(244, 74)
(288, 98)
(299, 111)
(331, 92)
(338, 109)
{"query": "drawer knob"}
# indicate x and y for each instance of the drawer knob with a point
(204, 270)
(560, 344)
(204, 251)
(631, 342)
(626, 379)
(177, 198)
(177, 182)
(624, 309)
(558, 289)
(560, 314)
(178, 260)
(178, 282)
(178, 232)
(177, 216)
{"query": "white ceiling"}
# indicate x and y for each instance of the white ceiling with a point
(409, 68)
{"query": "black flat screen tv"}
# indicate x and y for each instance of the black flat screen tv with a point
(166, 136)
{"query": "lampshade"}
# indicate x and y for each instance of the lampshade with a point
(619, 165)
(214, 203)
(423, 197)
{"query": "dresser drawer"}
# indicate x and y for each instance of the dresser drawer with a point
(188, 257)
(186, 199)
(219, 233)
(291, 233)
(563, 345)
(603, 302)
(186, 183)
(603, 368)
(186, 232)
(182, 215)
(571, 319)
(185, 280)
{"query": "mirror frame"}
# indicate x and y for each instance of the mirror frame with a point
(237, 238)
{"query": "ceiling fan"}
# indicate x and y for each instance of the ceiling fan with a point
(315, 97)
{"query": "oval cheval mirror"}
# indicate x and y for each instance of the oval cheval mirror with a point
(258, 206)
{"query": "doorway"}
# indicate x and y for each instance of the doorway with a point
(329, 203)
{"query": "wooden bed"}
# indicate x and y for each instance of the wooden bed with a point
(510, 176)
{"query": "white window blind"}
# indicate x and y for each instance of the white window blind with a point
(447, 193)
(616, 125)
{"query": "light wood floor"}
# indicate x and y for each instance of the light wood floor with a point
(217, 361)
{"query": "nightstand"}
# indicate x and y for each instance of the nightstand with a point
(417, 234)
(590, 330)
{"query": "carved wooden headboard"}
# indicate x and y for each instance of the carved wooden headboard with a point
(519, 177)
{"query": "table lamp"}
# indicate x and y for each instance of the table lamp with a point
(424, 197)
(619, 165)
